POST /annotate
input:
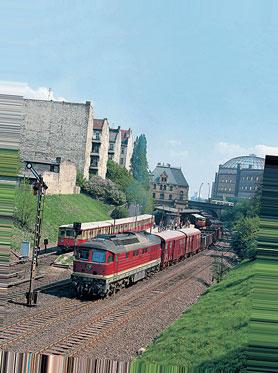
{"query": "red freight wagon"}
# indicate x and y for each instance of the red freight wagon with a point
(193, 240)
(172, 246)
(103, 265)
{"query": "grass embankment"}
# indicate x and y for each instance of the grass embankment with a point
(212, 335)
(58, 210)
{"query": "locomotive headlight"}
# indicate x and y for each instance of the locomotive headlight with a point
(29, 166)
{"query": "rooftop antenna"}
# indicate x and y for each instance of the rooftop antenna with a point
(49, 93)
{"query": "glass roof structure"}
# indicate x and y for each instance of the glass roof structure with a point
(247, 161)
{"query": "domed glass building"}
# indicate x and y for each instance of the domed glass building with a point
(239, 177)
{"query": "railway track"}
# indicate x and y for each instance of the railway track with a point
(103, 324)
(32, 325)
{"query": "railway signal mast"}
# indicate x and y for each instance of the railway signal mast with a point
(39, 189)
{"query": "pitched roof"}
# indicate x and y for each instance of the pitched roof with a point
(175, 175)
(98, 124)
(125, 134)
(113, 133)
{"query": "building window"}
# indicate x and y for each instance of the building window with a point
(171, 188)
(121, 161)
(181, 195)
(170, 196)
(96, 135)
(95, 148)
(161, 187)
(111, 147)
(164, 187)
(153, 195)
(161, 196)
(154, 186)
(110, 156)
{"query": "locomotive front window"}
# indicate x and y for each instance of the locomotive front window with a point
(62, 233)
(69, 232)
(99, 256)
(83, 254)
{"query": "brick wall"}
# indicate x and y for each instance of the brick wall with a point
(57, 129)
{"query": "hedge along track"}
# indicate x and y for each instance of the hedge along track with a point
(90, 332)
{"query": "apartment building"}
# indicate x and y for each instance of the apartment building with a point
(126, 148)
(100, 146)
(114, 150)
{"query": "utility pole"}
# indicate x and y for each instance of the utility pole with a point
(39, 189)
(77, 231)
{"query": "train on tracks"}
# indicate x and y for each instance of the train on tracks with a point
(66, 234)
(107, 263)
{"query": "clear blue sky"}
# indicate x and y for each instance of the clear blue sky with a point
(199, 78)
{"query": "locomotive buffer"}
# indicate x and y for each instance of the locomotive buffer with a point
(39, 189)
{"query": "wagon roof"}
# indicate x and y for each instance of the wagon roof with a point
(190, 231)
(170, 234)
(108, 223)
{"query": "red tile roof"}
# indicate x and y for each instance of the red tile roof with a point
(98, 124)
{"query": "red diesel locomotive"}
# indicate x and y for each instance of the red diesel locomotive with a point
(105, 264)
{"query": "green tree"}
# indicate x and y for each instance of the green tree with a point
(119, 212)
(136, 193)
(139, 163)
(244, 208)
(244, 237)
(25, 206)
(119, 175)
(134, 190)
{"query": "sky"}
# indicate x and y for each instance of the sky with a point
(198, 78)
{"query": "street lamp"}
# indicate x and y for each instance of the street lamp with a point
(200, 191)
(208, 191)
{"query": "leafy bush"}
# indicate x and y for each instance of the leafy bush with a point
(80, 180)
(25, 206)
(119, 212)
(104, 190)
(244, 237)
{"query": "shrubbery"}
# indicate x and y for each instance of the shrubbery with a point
(105, 190)
(244, 238)
(25, 206)
(243, 220)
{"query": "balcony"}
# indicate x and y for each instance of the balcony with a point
(94, 166)
(97, 137)
(95, 151)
